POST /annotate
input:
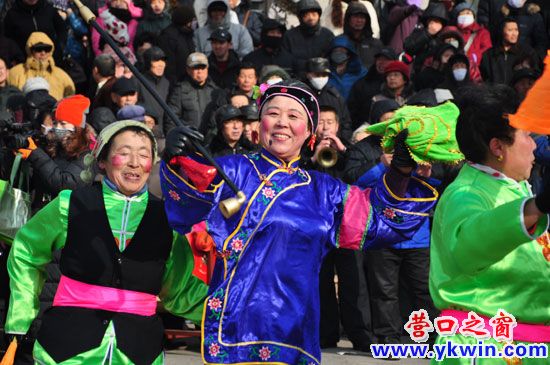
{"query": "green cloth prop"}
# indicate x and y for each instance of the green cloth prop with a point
(431, 132)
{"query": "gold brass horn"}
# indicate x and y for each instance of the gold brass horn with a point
(232, 205)
(327, 157)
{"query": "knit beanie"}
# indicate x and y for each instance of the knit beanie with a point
(398, 66)
(35, 83)
(73, 109)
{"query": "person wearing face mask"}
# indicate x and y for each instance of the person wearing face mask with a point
(270, 51)
(532, 30)
(120, 19)
(177, 42)
(309, 39)
(457, 74)
(434, 74)
(345, 65)
(57, 159)
(317, 76)
(476, 38)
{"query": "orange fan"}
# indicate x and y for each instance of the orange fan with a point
(533, 115)
(9, 356)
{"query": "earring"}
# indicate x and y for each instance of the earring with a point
(500, 158)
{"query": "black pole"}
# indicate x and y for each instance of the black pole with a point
(194, 136)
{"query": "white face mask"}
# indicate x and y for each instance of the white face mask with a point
(465, 20)
(274, 80)
(318, 82)
(516, 3)
(46, 129)
(460, 74)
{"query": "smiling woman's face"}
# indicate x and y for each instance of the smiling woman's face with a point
(129, 161)
(284, 127)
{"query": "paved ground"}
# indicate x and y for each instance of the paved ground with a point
(343, 355)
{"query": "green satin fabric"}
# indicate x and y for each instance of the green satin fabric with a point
(105, 353)
(482, 258)
(181, 293)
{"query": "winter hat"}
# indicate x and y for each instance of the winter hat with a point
(298, 91)
(463, 6)
(398, 66)
(73, 109)
(217, 5)
(269, 71)
(183, 15)
(380, 108)
(153, 54)
(35, 83)
(133, 112)
(110, 131)
(227, 112)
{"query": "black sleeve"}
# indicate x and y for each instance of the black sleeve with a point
(174, 103)
(360, 158)
(417, 42)
(483, 12)
(54, 178)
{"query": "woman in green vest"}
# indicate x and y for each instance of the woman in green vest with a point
(118, 256)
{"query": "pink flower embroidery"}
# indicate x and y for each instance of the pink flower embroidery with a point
(389, 213)
(265, 353)
(237, 244)
(175, 196)
(214, 304)
(214, 349)
(268, 192)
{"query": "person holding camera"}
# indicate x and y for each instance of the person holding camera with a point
(58, 162)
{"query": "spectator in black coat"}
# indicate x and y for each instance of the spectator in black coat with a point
(230, 139)
(532, 30)
(194, 99)
(270, 51)
(9, 50)
(456, 74)
(223, 62)
(317, 76)
(177, 43)
(359, 102)
(367, 153)
(154, 61)
(28, 16)
(433, 75)
(357, 27)
(6, 91)
(497, 64)
(309, 39)
(397, 84)
(424, 40)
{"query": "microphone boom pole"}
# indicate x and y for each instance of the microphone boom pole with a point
(231, 205)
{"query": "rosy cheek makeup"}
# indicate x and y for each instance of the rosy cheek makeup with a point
(147, 166)
(118, 160)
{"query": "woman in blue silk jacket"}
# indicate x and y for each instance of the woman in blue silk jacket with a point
(263, 303)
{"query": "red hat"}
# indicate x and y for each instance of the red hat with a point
(73, 110)
(398, 66)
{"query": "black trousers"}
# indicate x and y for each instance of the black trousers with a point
(386, 269)
(352, 305)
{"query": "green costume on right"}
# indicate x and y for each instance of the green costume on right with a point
(484, 259)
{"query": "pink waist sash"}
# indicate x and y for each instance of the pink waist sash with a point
(523, 332)
(73, 293)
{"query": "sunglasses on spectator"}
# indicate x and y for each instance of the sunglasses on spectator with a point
(44, 48)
